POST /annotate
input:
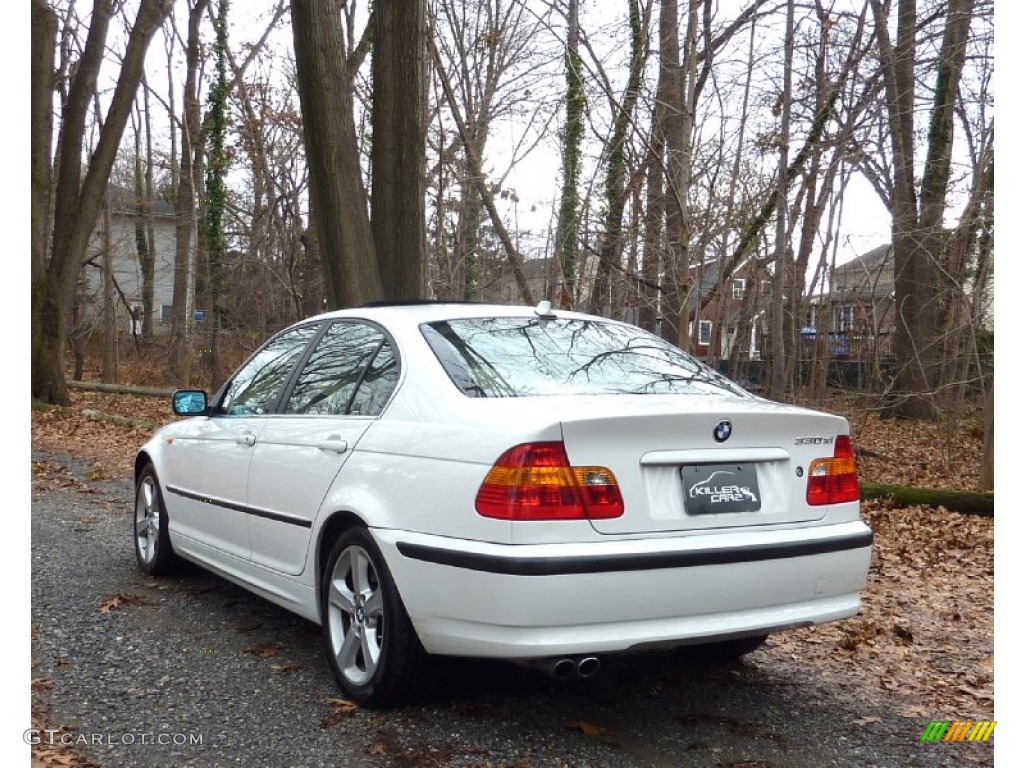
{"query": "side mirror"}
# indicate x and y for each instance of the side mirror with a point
(189, 402)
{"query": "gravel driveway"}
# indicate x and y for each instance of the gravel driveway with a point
(193, 671)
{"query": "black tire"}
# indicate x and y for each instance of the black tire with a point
(150, 535)
(370, 644)
(723, 650)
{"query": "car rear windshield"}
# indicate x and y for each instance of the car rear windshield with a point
(523, 357)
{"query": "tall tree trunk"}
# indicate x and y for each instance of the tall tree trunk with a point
(777, 384)
(988, 475)
(215, 197)
(312, 284)
(148, 280)
(108, 373)
(465, 267)
(398, 154)
(654, 218)
(680, 94)
(351, 275)
(185, 203)
(934, 241)
(44, 42)
(145, 254)
(568, 227)
(670, 89)
(917, 236)
(77, 200)
(610, 250)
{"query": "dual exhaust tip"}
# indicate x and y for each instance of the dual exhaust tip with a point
(566, 667)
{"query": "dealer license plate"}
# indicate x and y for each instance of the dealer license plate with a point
(715, 488)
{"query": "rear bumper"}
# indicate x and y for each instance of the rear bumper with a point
(526, 601)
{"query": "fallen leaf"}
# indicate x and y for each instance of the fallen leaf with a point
(41, 684)
(592, 731)
(121, 599)
(867, 720)
(340, 709)
(262, 651)
(976, 693)
(285, 669)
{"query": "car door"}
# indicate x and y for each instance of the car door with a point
(342, 385)
(208, 462)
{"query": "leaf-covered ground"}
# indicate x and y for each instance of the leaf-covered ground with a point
(923, 643)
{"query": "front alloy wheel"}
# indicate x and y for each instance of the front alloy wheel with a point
(371, 645)
(149, 526)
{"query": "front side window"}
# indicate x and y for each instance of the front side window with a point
(347, 359)
(738, 287)
(524, 356)
(255, 388)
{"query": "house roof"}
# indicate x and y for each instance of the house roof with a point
(869, 262)
(870, 274)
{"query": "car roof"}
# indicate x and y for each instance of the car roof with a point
(429, 311)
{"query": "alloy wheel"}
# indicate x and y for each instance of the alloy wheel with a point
(355, 612)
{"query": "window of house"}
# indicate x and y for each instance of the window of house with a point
(738, 287)
(766, 288)
(166, 312)
(704, 333)
(844, 318)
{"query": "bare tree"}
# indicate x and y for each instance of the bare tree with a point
(492, 53)
(918, 211)
(76, 200)
(190, 171)
(615, 191)
(777, 383)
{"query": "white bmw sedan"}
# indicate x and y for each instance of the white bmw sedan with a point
(508, 482)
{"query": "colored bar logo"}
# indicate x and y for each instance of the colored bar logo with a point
(958, 730)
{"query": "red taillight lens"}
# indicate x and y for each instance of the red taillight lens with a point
(534, 481)
(832, 481)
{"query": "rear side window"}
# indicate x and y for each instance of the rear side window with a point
(352, 370)
(522, 357)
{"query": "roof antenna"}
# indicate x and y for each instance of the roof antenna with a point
(543, 309)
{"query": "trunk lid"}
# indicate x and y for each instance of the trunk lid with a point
(675, 475)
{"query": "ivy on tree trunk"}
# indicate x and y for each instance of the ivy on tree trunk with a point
(216, 193)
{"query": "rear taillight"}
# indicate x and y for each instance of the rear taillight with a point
(834, 480)
(534, 481)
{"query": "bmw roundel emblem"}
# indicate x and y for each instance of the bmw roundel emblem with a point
(722, 431)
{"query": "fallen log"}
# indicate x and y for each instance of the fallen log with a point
(122, 421)
(120, 389)
(968, 502)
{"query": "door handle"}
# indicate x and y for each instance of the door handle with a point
(247, 439)
(333, 444)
